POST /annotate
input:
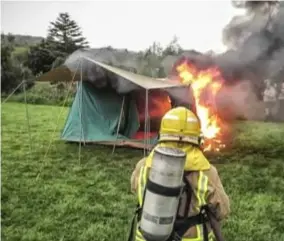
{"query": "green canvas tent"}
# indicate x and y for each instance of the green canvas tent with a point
(100, 116)
(126, 112)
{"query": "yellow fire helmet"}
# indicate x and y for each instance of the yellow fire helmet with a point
(180, 125)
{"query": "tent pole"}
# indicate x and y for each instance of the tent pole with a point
(119, 123)
(146, 121)
(80, 111)
(27, 117)
(149, 123)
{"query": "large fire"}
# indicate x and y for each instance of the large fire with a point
(205, 85)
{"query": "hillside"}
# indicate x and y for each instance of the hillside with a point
(49, 193)
(25, 40)
(142, 62)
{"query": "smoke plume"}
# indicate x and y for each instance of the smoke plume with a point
(256, 52)
(255, 42)
(97, 75)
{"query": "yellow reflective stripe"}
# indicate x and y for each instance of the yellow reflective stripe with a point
(191, 239)
(201, 192)
(145, 176)
(202, 189)
(139, 236)
(140, 186)
(139, 239)
(141, 183)
(211, 236)
(139, 233)
(200, 231)
(204, 186)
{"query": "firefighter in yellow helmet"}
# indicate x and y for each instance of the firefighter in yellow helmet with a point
(180, 128)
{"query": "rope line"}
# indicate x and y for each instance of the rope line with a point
(8, 97)
(27, 118)
(60, 113)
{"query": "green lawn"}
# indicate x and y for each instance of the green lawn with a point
(60, 197)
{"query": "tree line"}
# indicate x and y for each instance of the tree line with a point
(64, 36)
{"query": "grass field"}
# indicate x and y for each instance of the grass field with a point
(59, 197)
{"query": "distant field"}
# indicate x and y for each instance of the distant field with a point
(90, 199)
(19, 50)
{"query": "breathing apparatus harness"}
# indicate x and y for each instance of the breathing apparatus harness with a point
(157, 214)
(180, 223)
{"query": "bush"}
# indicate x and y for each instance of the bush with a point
(46, 94)
(13, 69)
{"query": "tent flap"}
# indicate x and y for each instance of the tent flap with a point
(94, 116)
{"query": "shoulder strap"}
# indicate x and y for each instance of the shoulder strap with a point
(132, 227)
(182, 226)
(188, 191)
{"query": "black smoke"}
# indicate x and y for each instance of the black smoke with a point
(256, 44)
(256, 40)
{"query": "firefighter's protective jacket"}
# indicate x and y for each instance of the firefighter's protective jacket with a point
(205, 183)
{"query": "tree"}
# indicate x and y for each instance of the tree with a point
(152, 57)
(65, 36)
(40, 58)
(154, 49)
(173, 48)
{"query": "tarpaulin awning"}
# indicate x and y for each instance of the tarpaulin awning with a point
(141, 80)
(122, 80)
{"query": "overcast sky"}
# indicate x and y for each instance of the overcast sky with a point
(126, 24)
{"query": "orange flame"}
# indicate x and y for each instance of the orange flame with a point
(204, 83)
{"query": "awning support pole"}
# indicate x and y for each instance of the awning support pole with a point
(80, 110)
(146, 120)
(119, 123)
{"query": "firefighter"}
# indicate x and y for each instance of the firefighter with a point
(281, 103)
(270, 98)
(180, 128)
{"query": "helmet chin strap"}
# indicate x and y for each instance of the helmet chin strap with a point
(201, 140)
